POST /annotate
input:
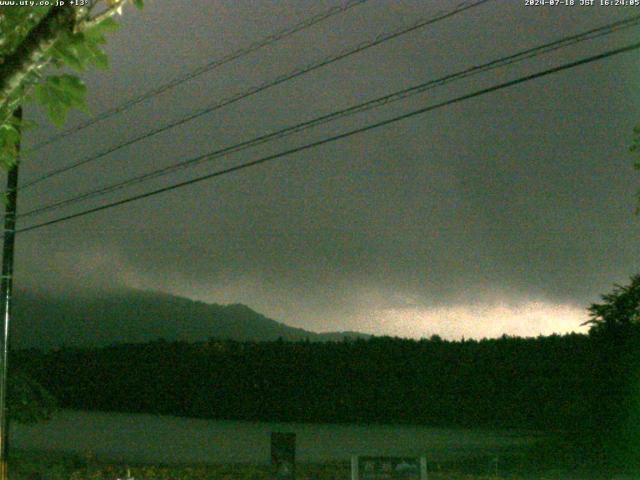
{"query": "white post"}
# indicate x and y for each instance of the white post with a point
(424, 474)
(354, 467)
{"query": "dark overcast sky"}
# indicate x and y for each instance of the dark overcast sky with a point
(508, 213)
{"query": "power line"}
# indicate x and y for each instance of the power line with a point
(365, 106)
(253, 47)
(340, 136)
(260, 88)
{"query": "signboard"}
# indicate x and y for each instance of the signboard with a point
(389, 468)
(283, 455)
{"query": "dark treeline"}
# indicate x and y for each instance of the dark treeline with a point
(586, 388)
(583, 387)
(572, 382)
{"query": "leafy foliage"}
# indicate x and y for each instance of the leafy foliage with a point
(77, 49)
(81, 49)
(619, 310)
(16, 23)
(587, 386)
(509, 382)
(59, 94)
(635, 147)
(28, 401)
(574, 383)
(25, 50)
(9, 141)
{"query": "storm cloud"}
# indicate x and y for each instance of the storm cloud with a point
(507, 213)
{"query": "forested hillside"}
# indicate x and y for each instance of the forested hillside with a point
(135, 316)
(548, 383)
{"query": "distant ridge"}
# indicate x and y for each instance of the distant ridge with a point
(134, 316)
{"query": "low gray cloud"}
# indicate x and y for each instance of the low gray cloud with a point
(523, 197)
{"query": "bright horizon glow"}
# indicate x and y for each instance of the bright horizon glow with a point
(527, 319)
(380, 313)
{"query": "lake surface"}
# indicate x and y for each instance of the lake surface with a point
(162, 439)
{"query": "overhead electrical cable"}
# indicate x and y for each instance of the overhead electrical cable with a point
(365, 106)
(340, 136)
(253, 47)
(260, 88)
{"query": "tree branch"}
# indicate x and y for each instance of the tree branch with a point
(116, 7)
(31, 54)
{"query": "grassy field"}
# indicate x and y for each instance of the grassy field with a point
(31, 465)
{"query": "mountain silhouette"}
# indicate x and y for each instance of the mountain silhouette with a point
(134, 316)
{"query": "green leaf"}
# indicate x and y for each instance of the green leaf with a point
(73, 87)
(82, 49)
(68, 56)
(9, 140)
(41, 94)
(108, 25)
(60, 93)
(9, 135)
(74, 50)
(57, 113)
(100, 59)
(139, 4)
(96, 32)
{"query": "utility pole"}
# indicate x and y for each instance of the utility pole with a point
(6, 288)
